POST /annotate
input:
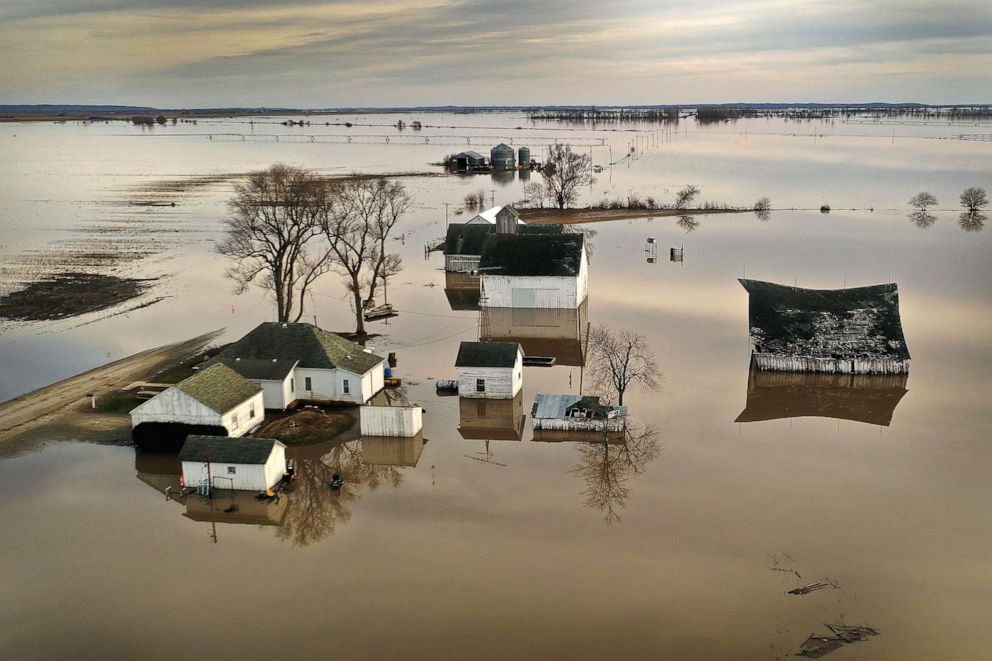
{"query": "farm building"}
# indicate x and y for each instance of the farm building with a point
(241, 464)
(505, 217)
(553, 336)
(293, 362)
(491, 419)
(394, 421)
(467, 160)
(534, 271)
(846, 331)
(489, 370)
(868, 398)
(464, 243)
(503, 157)
(385, 451)
(216, 400)
(576, 413)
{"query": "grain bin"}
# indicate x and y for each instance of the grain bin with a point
(502, 156)
(523, 157)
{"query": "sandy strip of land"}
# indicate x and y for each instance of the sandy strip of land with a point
(594, 215)
(57, 402)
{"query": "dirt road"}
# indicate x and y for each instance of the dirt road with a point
(57, 403)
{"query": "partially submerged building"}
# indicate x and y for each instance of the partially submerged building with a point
(847, 331)
(293, 362)
(503, 157)
(548, 336)
(489, 370)
(240, 464)
(580, 413)
(467, 161)
(216, 401)
(465, 242)
(534, 271)
(393, 451)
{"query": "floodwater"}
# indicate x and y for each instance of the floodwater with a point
(482, 542)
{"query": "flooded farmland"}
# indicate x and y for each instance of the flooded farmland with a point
(482, 539)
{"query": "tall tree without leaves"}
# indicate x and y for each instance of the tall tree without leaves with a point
(272, 235)
(565, 172)
(619, 359)
(361, 219)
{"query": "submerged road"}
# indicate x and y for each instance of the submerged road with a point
(28, 411)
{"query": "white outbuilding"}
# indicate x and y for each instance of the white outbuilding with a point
(241, 464)
(490, 370)
(534, 271)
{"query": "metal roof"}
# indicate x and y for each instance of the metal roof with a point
(225, 450)
(219, 388)
(487, 354)
(555, 406)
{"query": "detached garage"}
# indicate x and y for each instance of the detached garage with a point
(242, 464)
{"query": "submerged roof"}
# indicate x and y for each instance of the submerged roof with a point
(225, 450)
(555, 406)
(825, 323)
(219, 388)
(469, 239)
(532, 254)
(311, 346)
(471, 154)
(487, 354)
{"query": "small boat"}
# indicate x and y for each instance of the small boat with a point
(383, 311)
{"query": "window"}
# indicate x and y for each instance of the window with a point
(251, 411)
(346, 387)
(232, 470)
(480, 385)
(234, 419)
(308, 385)
(292, 385)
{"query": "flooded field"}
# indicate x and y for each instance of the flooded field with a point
(483, 539)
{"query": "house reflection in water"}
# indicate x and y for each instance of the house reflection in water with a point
(462, 291)
(557, 333)
(392, 451)
(864, 398)
(491, 419)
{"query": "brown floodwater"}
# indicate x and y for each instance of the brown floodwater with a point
(478, 540)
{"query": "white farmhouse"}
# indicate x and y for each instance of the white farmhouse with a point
(489, 370)
(293, 362)
(216, 400)
(242, 464)
(534, 271)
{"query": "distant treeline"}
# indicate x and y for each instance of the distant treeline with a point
(607, 115)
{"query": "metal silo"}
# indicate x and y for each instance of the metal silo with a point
(502, 157)
(523, 157)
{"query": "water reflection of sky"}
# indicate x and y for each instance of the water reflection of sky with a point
(504, 555)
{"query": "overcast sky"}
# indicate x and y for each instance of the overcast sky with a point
(196, 53)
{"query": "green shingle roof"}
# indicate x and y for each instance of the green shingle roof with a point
(224, 450)
(313, 347)
(487, 354)
(219, 388)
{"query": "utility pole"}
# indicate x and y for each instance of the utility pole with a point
(446, 205)
(493, 192)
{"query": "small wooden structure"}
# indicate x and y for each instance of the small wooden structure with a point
(239, 464)
(397, 421)
(489, 370)
(576, 413)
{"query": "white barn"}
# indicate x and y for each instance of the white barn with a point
(534, 271)
(242, 464)
(215, 400)
(294, 362)
(489, 370)
(489, 216)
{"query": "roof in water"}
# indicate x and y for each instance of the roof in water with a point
(466, 239)
(556, 406)
(219, 388)
(313, 347)
(532, 254)
(826, 323)
(225, 450)
(487, 354)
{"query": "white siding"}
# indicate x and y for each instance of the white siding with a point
(323, 384)
(500, 382)
(246, 477)
(275, 467)
(461, 263)
(328, 385)
(504, 291)
(274, 393)
(401, 421)
(245, 421)
(173, 405)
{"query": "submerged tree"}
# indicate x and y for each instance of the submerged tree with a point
(686, 196)
(272, 232)
(688, 223)
(762, 208)
(922, 219)
(619, 359)
(923, 201)
(361, 218)
(974, 199)
(565, 172)
(606, 468)
(972, 221)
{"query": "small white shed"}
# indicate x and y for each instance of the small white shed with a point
(490, 370)
(404, 421)
(242, 464)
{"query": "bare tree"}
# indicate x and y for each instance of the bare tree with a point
(565, 172)
(686, 196)
(922, 219)
(688, 223)
(606, 468)
(276, 217)
(535, 194)
(923, 201)
(763, 208)
(972, 221)
(362, 216)
(974, 199)
(619, 359)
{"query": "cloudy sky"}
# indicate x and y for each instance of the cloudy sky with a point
(195, 53)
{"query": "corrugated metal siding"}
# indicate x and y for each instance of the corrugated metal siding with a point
(401, 421)
(501, 291)
(578, 424)
(784, 363)
(461, 263)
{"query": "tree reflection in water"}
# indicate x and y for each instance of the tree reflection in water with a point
(607, 467)
(314, 510)
(922, 219)
(688, 223)
(972, 221)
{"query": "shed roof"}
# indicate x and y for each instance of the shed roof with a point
(556, 406)
(470, 154)
(311, 346)
(487, 354)
(466, 239)
(825, 323)
(219, 388)
(532, 254)
(225, 450)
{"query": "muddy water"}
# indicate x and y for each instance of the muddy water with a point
(516, 547)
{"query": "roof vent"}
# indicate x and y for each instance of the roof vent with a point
(285, 325)
(275, 360)
(237, 360)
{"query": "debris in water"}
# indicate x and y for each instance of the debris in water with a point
(71, 294)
